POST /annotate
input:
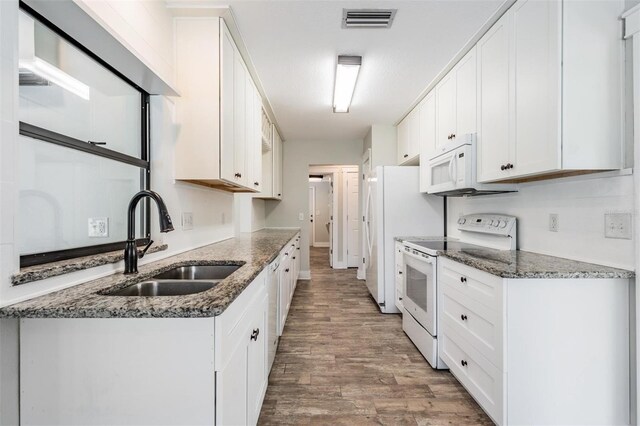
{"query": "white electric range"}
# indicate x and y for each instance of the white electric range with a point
(420, 272)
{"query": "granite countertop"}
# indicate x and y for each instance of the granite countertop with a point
(525, 264)
(254, 251)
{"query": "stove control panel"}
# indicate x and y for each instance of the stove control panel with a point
(488, 223)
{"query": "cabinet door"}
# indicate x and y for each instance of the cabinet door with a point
(427, 138)
(537, 48)
(239, 120)
(227, 109)
(257, 180)
(277, 164)
(413, 143)
(446, 109)
(403, 140)
(494, 98)
(257, 363)
(283, 296)
(231, 388)
(466, 105)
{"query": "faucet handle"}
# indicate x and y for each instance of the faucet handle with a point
(142, 253)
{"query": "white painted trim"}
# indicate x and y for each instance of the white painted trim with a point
(632, 34)
(465, 49)
(360, 274)
(321, 244)
(312, 214)
(304, 276)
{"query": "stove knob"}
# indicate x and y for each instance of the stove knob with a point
(503, 224)
(463, 221)
(491, 223)
(496, 223)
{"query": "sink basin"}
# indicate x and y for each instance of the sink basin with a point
(198, 272)
(165, 288)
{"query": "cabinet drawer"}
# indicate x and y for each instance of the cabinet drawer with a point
(478, 285)
(481, 378)
(232, 326)
(479, 325)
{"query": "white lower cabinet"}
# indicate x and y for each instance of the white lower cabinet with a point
(169, 371)
(287, 279)
(399, 278)
(537, 351)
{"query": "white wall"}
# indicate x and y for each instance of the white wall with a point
(382, 140)
(297, 156)
(249, 215)
(580, 202)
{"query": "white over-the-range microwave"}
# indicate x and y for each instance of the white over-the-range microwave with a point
(452, 172)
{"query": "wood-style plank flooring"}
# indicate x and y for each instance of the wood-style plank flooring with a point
(341, 362)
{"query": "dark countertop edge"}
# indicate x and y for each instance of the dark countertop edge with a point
(55, 269)
(175, 313)
(608, 272)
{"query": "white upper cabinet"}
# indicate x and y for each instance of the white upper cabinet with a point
(540, 111)
(219, 141)
(409, 139)
(493, 100)
(277, 164)
(427, 110)
(456, 101)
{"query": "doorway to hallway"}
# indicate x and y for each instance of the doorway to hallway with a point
(334, 212)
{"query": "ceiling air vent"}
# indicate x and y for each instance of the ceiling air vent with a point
(367, 18)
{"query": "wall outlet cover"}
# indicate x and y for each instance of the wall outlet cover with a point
(618, 225)
(187, 221)
(554, 222)
(300, 216)
(98, 227)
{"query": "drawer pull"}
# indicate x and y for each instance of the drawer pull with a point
(464, 363)
(286, 270)
(254, 335)
(400, 272)
(463, 279)
(463, 317)
(294, 257)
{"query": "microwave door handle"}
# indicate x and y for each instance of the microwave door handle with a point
(455, 167)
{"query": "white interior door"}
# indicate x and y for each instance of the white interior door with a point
(366, 171)
(312, 210)
(353, 222)
(331, 239)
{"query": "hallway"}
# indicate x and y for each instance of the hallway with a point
(340, 361)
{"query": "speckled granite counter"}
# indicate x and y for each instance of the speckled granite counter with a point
(254, 251)
(525, 264)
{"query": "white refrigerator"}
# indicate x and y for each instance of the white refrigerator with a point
(394, 206)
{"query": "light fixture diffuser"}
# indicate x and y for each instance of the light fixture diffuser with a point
(56, 76)
(346, 75)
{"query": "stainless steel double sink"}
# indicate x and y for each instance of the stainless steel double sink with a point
(179, 281)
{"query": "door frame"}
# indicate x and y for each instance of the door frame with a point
(346, 231)
(365, 171)
(312, 211)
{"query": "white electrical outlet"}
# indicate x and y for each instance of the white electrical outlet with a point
(617, 225)
(187, 221)
(301, 216)
(98, 227)
(554, 222)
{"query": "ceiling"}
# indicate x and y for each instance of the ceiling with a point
(294, 47)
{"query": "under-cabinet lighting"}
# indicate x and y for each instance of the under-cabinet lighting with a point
(346, 75)
(56, 76)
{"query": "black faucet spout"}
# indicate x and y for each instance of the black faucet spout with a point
(130, 249)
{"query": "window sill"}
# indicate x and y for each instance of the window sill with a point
(54, 269)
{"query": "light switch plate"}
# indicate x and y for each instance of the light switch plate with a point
(300, 216)
(618, 225)
(98, 227)
(187, 221)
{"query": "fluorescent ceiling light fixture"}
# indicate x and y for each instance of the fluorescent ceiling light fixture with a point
(56, 76)
(346, 76)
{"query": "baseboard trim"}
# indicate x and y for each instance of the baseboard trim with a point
(323, 245)
(304, 275)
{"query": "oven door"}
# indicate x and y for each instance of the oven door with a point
(420, 288)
